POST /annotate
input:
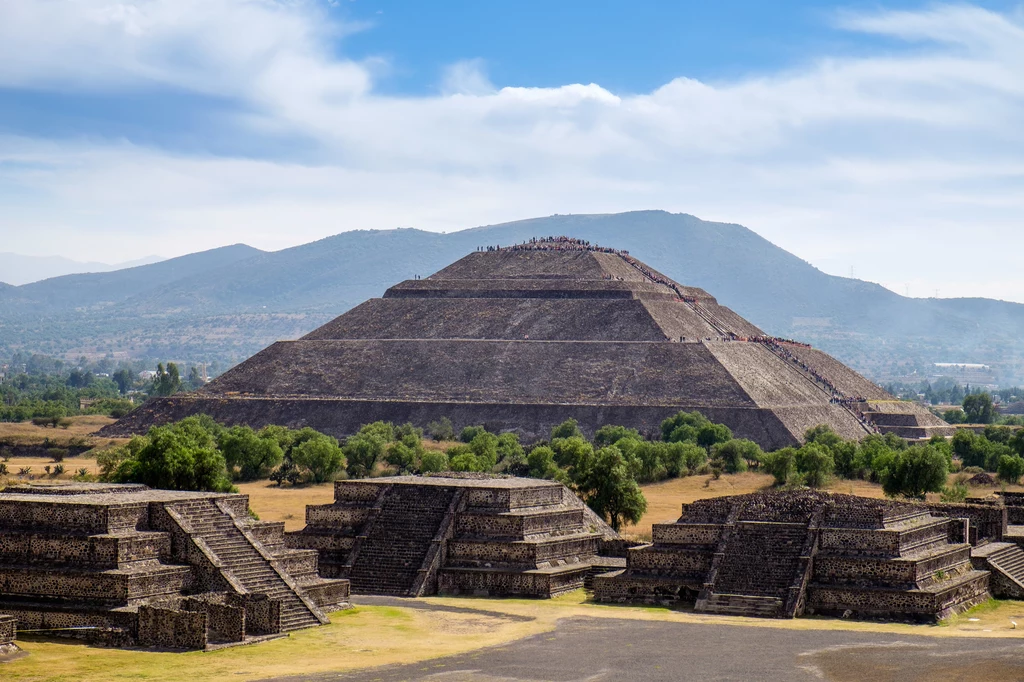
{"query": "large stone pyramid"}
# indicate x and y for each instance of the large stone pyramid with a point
(521, 338)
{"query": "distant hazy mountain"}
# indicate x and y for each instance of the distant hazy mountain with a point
(17, 269)
(230, 302)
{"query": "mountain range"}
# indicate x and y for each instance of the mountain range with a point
(16, 269)
(225, 304)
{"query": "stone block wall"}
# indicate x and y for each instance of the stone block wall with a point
(170, 628)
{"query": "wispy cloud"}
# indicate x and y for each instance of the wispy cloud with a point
(879, 162)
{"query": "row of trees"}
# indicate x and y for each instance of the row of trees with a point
(197, 453)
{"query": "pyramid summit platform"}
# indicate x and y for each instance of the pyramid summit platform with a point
(521, 338)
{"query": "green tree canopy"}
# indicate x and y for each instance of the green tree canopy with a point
(978, 408)
(915, 471)
(180, 456)
(611, 491)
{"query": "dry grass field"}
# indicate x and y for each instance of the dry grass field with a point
(286, 503)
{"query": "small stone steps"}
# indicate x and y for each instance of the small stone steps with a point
(1006, 560)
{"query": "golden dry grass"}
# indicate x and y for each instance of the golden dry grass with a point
(27, 433)
(287, 503)
(360, 638)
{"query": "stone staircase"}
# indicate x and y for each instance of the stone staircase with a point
(1006, 561)
(244, 561)
(395, 546)
(761, 561)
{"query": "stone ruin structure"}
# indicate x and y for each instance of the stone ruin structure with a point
(414, 536)
(8, 631)
(782, 554)
(524, 337)
(126, 565)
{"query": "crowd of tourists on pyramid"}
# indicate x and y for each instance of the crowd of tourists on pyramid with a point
(555, 244)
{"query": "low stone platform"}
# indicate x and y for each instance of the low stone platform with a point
(127, 565)
(418, 535)
(783, 554)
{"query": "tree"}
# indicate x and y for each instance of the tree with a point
(322, 457)
(485, 448)
(541, 463)
(195, 380)
(710, 435)
(180, 456)
(441, 430)
(609, 435)
(404, 454)
(729, 457)
(470, 432)
(611, 491)
(815, 463)
(510, 451)
(124, 380)
(978, 408)
(1011, 468)
(570, 428)
(781, 464)
(166, 382)
(915, 471)
(573, 454)
(462, 458)
(954, 416)
(683, 427)
(248, 456)
(433, 461)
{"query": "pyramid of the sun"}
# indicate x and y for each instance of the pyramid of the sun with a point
(522, 338)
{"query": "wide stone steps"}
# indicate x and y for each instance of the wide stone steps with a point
(1009, 561)
(245, 563)
(743, 605)
(397, 544)
(761, 560)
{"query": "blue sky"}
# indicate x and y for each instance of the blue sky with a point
(863, 136)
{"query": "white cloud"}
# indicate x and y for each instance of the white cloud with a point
(905, 165)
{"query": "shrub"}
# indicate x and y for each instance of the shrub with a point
(957, 492)
(954, 416)
(3, 469)
(609, 435)
(405, 453)
(682, 459)
(63, 423)
(470, 432)
(248, 455)
(570, 428)
(433, 462)
(407, 430)
(510, 451)
(57, 454)
(1010, 468)
(461, 458)
(484, 447)
(441, 429)
(58, 469)
(572, 453)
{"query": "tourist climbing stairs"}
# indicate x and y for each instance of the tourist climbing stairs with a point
(1003, 558)
(760, 563)
(395, 547)
(244, 562)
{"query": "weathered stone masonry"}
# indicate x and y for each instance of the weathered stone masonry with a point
(523, 340)
(124, 565)
(782, 554)
(413, 536)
